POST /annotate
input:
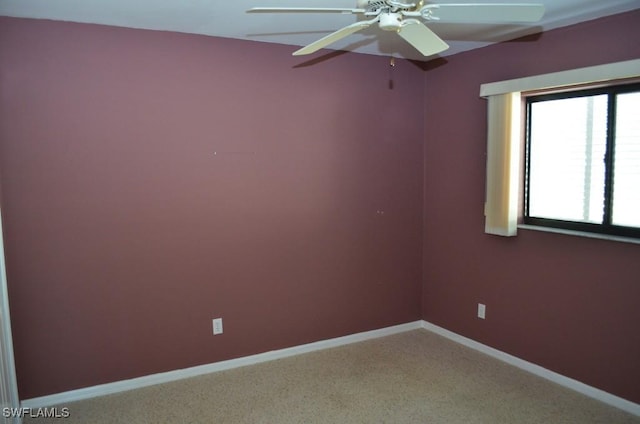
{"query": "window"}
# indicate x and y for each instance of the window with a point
(583, 160)
(606, 206)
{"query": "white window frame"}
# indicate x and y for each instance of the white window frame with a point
(505, 129)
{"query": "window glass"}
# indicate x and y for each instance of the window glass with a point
(568, 142)
(626, 187)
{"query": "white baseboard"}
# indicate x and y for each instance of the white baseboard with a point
(165, 377)
(570, 383)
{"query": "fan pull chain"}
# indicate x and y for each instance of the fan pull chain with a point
(392, 64)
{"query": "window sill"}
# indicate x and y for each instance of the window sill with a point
(579, 233)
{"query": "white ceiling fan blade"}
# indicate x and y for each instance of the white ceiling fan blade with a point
(333, 37)
(485, 12)
(421, 37)
(303, 10)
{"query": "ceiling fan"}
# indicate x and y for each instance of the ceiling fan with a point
(400, 16)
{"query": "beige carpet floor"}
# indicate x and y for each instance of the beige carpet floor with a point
(413, 377)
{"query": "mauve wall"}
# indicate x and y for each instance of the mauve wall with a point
(126, 234)
(569, 304)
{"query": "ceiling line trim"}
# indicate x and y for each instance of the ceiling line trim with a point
(590, 74)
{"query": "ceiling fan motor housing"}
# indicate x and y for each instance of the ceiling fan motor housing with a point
(390, 21)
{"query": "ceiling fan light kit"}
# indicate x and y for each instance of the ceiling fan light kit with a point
(404, 19)
(390, 21)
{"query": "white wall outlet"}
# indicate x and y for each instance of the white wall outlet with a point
(482, 309)
(217, 326)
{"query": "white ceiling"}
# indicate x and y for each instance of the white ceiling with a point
(228, 18)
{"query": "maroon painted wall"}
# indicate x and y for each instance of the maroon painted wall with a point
(126, 234)
(569, 304)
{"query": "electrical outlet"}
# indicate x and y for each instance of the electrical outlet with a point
(217, 326)
(482, 309)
